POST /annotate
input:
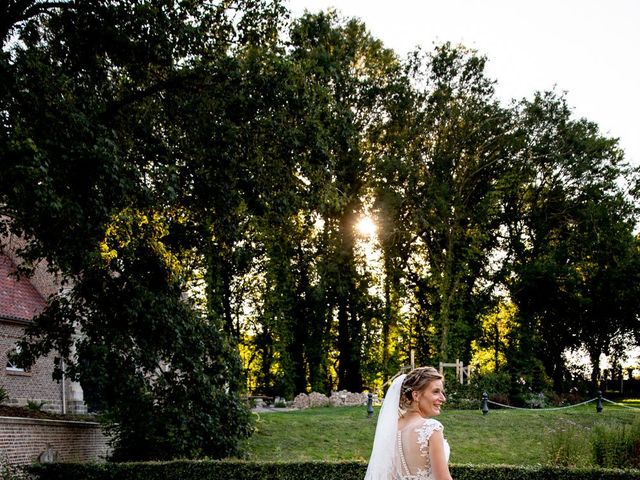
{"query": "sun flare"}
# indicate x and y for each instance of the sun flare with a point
(366, 227)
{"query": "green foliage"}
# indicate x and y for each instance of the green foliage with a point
(489, 349)
(451, 188)
(35, 406)
(495, 384)
(617, 446)
(89, 160)
(194, 173)
(568, 445)
(609, 446)
(568, 259)
(349, 70)
(301, 471)
(458, 402)
(4, 395)
(11, 472)
(462, 396)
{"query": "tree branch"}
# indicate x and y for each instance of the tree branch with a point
(16, 12)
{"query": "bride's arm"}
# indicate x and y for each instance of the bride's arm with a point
(438, 456)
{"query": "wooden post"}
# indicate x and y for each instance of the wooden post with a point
(461, 370)
(413, 357)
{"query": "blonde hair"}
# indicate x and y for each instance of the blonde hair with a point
(415, 381)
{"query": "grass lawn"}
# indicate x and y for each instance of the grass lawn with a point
(502, 437)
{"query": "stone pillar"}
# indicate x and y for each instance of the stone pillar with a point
(75, 398)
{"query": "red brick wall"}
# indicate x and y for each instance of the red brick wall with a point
(37, 384)
(23, 440)
(19, 302)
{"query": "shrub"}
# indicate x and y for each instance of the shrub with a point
(34, 406)
(494, 383)
(4, 395)
(535, 400)
(10, 472)
(456, 403)
(499, 398)
(237, 470)
(565, 399)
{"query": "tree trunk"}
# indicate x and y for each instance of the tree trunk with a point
(344, 346)
(496, 346)
(386, 321)
(594, 357)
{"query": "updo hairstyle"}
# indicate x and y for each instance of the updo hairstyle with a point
(415, 381)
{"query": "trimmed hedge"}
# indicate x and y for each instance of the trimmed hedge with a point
(538, 472)
(240, 470)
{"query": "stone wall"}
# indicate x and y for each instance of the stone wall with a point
(24, 441)
(342, 398)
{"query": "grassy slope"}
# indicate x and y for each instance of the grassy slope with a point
(503, 436)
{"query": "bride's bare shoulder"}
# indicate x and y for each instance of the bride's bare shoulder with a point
(410, 422)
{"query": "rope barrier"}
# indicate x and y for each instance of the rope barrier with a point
(545, 409)
(621, 404)
(563, 408)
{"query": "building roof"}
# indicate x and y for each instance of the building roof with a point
(19, 300)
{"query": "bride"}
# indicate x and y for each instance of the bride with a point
(409, 444)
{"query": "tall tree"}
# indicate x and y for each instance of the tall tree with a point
(93, 175)
(393, 138)
(570, 235)
(350, 66)
(456, 160)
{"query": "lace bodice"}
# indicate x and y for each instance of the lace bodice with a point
(413, 450)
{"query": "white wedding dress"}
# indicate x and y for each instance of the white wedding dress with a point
(412, 450)
(401, 454)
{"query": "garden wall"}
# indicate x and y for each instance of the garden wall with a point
(24, 441)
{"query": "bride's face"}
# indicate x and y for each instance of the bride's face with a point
(429, 400)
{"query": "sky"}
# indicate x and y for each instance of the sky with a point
(589, 49)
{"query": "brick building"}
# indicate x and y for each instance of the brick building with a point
(20, 300)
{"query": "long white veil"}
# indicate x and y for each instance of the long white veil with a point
(382, 464)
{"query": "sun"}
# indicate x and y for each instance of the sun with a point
(366, 227)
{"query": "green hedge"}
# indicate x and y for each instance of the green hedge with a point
(239, 470)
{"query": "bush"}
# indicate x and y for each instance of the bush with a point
(4, 396)
(237, 470)
(535, 400)
(565, 399)
(455, 403)
(462, 397)
(35, 406)
(10, 472)
(494, 383)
